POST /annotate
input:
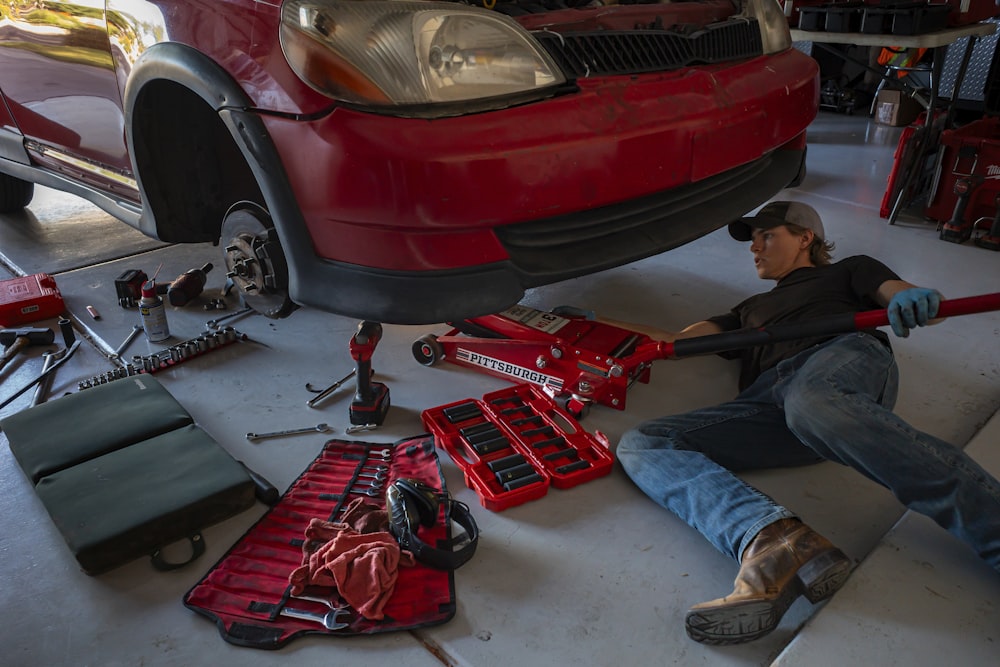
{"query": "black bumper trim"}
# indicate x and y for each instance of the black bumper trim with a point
(547, 251)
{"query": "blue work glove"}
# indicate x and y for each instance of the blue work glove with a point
(912, 307)
(573, 311)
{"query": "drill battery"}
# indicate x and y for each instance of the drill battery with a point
(29, 299)
(129, 287)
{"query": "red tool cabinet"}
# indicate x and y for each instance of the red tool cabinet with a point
(970, 157)
(964, 12)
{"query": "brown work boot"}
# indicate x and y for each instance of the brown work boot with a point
(785, 560)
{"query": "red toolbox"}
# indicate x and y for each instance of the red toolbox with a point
(969, 165)
(964, 12)
(515, 443)
(29, 299)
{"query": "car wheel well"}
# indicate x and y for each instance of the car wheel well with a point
(189, 168)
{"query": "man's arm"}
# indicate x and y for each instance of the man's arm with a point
(908, 306)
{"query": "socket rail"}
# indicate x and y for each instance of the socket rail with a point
(168, 358)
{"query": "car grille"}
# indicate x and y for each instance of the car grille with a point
(584, 54)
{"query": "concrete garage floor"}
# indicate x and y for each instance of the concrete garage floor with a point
(594, 575)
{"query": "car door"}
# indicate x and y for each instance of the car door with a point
(59, 80)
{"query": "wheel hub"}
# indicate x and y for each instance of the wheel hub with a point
(255, 262)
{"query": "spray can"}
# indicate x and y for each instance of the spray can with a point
(153, 313)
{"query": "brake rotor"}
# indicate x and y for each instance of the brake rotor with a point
(254, 260)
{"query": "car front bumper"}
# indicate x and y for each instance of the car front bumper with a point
(454, 215)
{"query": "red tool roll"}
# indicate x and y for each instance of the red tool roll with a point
(247, 593)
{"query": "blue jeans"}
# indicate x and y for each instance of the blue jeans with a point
(831, 402)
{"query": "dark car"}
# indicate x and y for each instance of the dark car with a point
(404, 161)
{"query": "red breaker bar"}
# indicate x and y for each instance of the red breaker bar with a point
(835, 324)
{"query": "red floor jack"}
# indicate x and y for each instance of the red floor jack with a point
(581, 362)
(576, 360)
(371, 399)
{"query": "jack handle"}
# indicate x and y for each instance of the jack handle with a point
(835, 324)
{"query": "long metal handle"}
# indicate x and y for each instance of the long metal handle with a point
(45, 384)
(835, 324)
(69, 353)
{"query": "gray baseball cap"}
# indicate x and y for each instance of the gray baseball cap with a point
(778, 213)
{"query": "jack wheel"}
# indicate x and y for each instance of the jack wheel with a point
(427, 350)
(254, 260)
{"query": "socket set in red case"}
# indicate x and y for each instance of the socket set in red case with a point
(515, 443)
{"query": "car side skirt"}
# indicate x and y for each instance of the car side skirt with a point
(11, 143)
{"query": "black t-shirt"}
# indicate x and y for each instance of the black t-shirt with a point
(848, 286)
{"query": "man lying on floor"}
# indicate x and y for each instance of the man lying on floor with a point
(802, 401)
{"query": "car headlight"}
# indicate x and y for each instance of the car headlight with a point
(773, 24)
(404, 53)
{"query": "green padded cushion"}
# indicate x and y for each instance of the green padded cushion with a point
(66, 431)
(129, 502)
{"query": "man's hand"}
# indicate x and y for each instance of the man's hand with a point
(913, 307)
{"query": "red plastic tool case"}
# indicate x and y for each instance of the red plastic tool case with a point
(29, 299)
(246, 590)
(515, 443)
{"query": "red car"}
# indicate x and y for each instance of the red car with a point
(405, 161)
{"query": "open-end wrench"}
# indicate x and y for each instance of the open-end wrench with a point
(217, 322)
(318, 428)
(371, 493)
(365, 470)
(384, 454)
(328, 620)
(324, 601)
(136, 330)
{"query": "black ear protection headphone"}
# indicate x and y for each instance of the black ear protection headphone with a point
(410, 504)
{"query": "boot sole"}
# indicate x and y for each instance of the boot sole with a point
(742, 622)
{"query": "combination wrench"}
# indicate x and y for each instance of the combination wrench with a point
(328, 620)
(318, 428)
